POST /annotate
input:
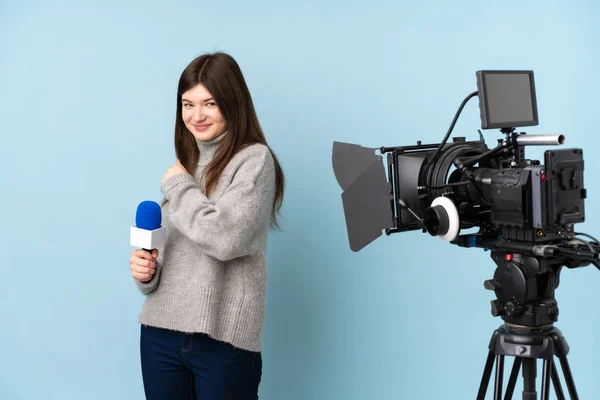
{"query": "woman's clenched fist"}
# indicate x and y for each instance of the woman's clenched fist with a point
(143, 264)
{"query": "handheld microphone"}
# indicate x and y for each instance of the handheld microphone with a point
(147, 232)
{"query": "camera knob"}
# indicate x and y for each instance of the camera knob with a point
(553, 313)
(491, 284)
(497, 308)
(513, 307)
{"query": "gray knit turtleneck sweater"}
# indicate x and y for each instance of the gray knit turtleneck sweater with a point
(211, 274)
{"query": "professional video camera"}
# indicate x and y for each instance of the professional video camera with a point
(525, 213)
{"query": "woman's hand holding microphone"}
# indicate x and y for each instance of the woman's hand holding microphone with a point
(143, 264)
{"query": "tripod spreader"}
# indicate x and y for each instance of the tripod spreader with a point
(527, 346)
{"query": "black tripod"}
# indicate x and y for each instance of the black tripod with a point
(524, 287)
(528, 345)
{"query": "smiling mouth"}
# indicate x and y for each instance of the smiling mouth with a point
(201, 127)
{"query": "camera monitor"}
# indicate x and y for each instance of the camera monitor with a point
(507, 99)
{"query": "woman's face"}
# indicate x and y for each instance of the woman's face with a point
(201, 114)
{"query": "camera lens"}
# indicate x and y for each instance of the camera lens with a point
(436, 221)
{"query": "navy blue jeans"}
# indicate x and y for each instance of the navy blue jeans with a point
(182, 366)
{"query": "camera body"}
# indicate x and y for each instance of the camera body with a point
(519, 199)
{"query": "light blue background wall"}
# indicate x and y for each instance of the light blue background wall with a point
(87, 99)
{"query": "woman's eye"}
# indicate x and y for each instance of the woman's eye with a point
(187, 104)
(211, 104)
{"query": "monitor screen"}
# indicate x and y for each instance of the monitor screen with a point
(507, 99)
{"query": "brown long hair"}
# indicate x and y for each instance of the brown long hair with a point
(220, 74)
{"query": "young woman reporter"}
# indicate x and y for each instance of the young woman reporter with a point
(203, 316)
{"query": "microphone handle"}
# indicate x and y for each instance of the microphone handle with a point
(149, 251)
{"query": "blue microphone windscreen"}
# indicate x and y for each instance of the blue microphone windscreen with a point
(148, 215)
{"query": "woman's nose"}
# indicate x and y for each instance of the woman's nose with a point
(198, 114)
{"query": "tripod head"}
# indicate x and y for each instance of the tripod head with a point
(527, 275)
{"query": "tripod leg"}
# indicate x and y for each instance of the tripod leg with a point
(546, 379)
(512, 381)
(529, 375)
(499, 373)
(485, 379)
(568, 377)
(560, 395)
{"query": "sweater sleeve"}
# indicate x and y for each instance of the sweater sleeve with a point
(225, 229)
